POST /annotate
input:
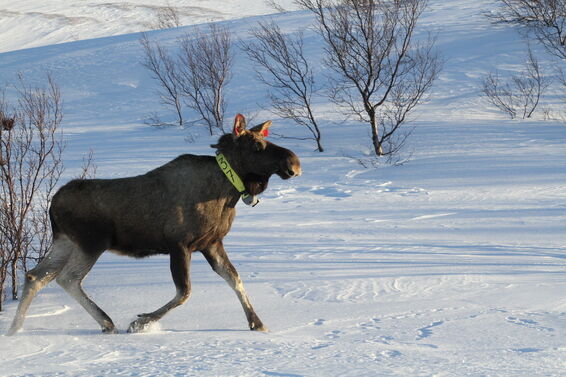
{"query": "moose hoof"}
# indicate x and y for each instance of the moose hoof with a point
(258, 327)
(15, 327)
(109, 330)
(108, 327)
(12, 331)
(142, 324)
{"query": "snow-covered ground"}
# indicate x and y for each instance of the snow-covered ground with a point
(30, 23)
(451, 264)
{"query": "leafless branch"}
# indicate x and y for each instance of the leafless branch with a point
(520, 95)
(88, 168)
(164, 69)
(275, 5)
(543, 19)
(206, 60)
(286, 71)
(166, 17)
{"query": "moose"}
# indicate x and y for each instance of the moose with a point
(183, 206)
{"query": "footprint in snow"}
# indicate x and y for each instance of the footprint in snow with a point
(319, 322)
(426, 331)
(529, 323)
(331, 192)
(527, 350)
(391, 353)
(334, 334)
(320, 346)
(372, 324)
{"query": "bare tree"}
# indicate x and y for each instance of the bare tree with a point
(5, 252)
(164, 69)
(167, 17)
(520, 95)
(274, 4)
(205, 64)
(286, 71)
(499, 94)
(88, 168)
(544, 19)
(381, 73)
(196, 76)
(30, 152)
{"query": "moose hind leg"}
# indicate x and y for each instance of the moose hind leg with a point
(40, 276)
(70, 279)
(220, 263)
(180, 260)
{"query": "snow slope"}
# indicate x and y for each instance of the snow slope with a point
(30, 23)
(451, 264)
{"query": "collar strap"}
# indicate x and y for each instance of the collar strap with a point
(235, 180)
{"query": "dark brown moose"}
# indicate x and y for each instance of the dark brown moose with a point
(183, 206)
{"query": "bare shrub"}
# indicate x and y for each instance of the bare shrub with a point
(88, 167)
(381, 73)
(520, 95)
(31, 166)
(164, 70)
(273, 4)
(205, 65)
(196, 76)
(543, 19)
(166, 17)
(286, 71)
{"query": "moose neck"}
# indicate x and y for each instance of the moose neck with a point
(254, 184)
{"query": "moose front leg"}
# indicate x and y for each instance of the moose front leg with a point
(218, 260)
(179, 264)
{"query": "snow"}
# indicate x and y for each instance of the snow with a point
(451, 263)
(32, 24)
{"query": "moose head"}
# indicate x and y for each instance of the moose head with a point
(254, 158)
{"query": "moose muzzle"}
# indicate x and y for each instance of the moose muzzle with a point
(291, 167)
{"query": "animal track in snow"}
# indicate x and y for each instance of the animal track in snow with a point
(529, 323)
(334, 334)
(330, 192)
(320, 346)
(371, 325)
(319, 322)
(391, 353)
(387, 187)
(527, 350)
(425, 332)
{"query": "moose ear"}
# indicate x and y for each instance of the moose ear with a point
(263, 128)
(239, 125)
